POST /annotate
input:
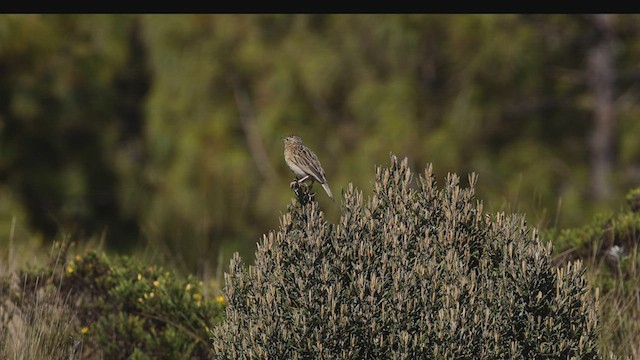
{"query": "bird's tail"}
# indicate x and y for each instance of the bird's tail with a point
(326, 188)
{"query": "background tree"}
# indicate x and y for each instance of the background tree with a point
(601, 72)
(62, 119)
(165, 129)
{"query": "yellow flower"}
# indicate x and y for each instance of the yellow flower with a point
(198, 299)
(84, 330)
(139, 277)
(78, 258)
(188, 287)
(70, 269)
(156, 283)
(220, 299)
(151, 294)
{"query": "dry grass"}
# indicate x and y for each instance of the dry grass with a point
(38, 329)
(619, 305)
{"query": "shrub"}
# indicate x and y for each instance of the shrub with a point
(416, 272)
(609, 236)
(122, 308)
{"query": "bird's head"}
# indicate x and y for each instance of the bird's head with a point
(292, 139)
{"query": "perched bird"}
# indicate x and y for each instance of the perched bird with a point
(304, 163)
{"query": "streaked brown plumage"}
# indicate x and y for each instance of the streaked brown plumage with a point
(304, 163)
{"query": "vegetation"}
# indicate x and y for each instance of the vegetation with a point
(94, 307)
(408, 274)
(415, 271)
(609, 245)
(159, 137)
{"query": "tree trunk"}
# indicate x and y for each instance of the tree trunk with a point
(601, 79)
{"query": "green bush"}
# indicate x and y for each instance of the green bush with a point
(609, 236)
(633, 200)
(122, 308)
(415, 272)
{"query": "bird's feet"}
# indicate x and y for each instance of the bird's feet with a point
(302, 190)
(297, 182)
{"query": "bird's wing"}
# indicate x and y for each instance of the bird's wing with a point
(308, 161)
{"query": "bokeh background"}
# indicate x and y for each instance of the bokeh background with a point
(161, 133)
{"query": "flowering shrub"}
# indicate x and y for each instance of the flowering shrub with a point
(124, 309)
(414, 272)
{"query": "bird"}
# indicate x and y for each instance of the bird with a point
(304, 163)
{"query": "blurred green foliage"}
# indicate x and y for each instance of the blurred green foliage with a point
(165, 129)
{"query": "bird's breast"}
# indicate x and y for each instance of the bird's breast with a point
(292, 165)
